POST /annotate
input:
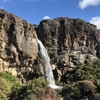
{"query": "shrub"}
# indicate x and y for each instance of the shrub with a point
(3, 96)
(79, 90)
(97, 63)
(43, 94)
(40, 82)
(19, 92)
(9, 78)
(89, 71)
(70, 92)
(4, 89)
(6, 83)
(86, 79)
(87, 88)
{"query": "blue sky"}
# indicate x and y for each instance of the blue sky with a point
(36, 10)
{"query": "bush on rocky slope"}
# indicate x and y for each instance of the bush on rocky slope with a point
(36, 89)
(83, 82)
(6, 83)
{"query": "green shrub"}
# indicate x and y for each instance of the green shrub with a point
(6, 83)
(21, 91)
(4, 89)
(88, 78)
(9, 78)
(89, 71)
(97, 63)
(70, 92)
(3, 96)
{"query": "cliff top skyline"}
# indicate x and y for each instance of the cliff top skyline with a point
(36, 10)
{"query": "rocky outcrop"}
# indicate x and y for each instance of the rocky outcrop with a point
(18, 45)
(69, 42)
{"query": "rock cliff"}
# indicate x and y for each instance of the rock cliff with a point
(18, 45)
(69, 42)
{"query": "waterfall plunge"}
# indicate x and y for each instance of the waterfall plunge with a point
(47, 66)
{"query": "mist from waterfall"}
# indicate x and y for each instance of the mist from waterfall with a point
(47, 66)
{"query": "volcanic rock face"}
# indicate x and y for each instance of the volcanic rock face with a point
(69, 42)
(18, 45)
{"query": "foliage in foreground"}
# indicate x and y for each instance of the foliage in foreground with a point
(6, 83)
(19, 92)
(12, 89)
(36, 89)
(84, 82)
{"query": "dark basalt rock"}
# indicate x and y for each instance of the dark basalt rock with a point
(71, 41)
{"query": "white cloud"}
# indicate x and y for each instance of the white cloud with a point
(85, 3)
(1, 7)
(46, 17)
(31, 0)
(95, 21)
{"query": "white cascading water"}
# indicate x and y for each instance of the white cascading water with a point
(47, 66)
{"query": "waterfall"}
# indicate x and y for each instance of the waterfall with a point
(47, 66)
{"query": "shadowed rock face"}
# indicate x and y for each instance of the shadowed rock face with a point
(18, 45)
(69, 42)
